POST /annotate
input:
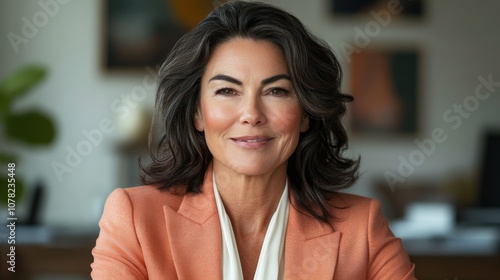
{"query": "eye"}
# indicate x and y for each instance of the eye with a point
(225, 91)
(279, 92)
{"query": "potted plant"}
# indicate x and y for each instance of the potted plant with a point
(28, 127)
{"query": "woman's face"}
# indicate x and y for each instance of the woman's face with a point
(248, 109)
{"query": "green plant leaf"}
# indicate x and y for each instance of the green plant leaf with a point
(18, 190)
(4, 105)
(7, 158)
(32, 128)
(19, 83)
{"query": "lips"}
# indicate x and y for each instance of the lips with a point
(252, 142)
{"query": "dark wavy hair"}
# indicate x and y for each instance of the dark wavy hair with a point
(317, 169)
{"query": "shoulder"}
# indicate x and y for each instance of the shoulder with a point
(351, 199)
(144, 196)
(141, 208)
(353, 204)
(132, 237)
(366, 235)
(355, 212)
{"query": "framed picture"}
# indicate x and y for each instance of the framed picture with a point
(141, 33)
(412, 8)
(385, 87)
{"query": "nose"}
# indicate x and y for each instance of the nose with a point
(252, 112)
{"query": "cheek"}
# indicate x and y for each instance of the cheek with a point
(217, 118)
(287, 119)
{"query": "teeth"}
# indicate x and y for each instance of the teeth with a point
(253, 141)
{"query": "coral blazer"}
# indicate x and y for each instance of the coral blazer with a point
(148, 234)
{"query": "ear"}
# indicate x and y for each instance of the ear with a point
(199, 123)
(304, 123)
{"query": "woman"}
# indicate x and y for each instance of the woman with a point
(244, 184)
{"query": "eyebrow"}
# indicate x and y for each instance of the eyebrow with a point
(238, 82)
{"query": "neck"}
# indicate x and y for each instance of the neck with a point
(250, 201)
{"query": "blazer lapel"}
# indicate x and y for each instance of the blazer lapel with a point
(195, 236)
(311, 248)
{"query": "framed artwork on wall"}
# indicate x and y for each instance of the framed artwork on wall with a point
(140, 33)
(407, 8)
(385, 86)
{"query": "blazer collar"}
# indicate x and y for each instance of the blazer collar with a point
(194, 234)
(311, 248)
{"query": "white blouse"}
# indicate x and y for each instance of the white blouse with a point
(271, 262)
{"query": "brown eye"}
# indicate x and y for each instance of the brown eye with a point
(225, 91)
(279, 92)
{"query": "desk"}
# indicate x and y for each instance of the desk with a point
(457, 267)
(65, 255)
(67, 262)
(455, 258)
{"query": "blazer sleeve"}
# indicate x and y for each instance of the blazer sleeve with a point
(118, 254)
(387, 257)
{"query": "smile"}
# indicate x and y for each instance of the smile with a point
(252, 142)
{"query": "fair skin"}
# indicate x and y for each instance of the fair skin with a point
(252, 120)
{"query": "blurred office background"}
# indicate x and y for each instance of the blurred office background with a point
(99, 92)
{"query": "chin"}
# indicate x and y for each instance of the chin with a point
(253, 169)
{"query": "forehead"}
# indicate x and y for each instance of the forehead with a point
(244, 56)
